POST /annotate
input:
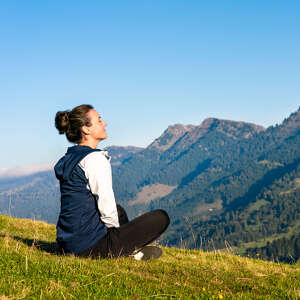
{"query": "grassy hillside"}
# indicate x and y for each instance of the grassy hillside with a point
(30, 269)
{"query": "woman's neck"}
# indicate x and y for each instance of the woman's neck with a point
(91, 144)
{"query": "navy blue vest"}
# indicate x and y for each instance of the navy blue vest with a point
(79, 225)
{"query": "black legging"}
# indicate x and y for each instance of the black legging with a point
(130, 236)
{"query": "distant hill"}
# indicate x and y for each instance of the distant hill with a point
(36, 196)
(119, 154)
(224, 184)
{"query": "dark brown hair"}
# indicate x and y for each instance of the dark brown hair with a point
(71, 122)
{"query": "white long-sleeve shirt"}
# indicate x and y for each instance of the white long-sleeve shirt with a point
(97, 169)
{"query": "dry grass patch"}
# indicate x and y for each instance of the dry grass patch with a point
(151, 192)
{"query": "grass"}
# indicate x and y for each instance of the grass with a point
(30, 269)
(205, 208)
(151, 192)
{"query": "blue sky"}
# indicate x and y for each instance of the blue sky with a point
(144, 65)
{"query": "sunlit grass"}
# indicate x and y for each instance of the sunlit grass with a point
(30, 269)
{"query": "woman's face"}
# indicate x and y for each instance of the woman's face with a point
(97, 129)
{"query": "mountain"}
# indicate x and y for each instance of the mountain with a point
(21, 171)
(170, 136)
(36, 196)
(176, 159)
(252, 206)
(224, 184)
(119, 153)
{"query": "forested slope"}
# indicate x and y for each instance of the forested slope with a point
(223, 183)
(236, 184)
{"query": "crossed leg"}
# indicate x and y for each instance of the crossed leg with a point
(131, 235)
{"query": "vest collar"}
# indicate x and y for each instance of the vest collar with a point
(78, 148)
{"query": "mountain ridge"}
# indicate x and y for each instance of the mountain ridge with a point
(213, 173)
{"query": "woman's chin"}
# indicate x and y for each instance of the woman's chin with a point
(103, 138)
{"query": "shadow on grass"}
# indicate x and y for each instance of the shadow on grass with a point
(51, 248)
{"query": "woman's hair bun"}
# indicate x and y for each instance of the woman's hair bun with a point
(62, 121)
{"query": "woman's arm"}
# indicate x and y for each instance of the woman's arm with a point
(97, 169)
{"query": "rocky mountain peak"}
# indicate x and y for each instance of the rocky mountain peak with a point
(189, 134)
(178, 129)
(207, 123)
(170, 136)
(234, 129)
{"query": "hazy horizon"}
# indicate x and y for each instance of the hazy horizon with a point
(28, 169)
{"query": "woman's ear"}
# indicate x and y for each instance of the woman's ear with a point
(85, 130)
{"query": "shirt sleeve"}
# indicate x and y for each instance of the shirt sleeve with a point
(97, 169)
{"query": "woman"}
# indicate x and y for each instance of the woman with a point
(90, 223)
